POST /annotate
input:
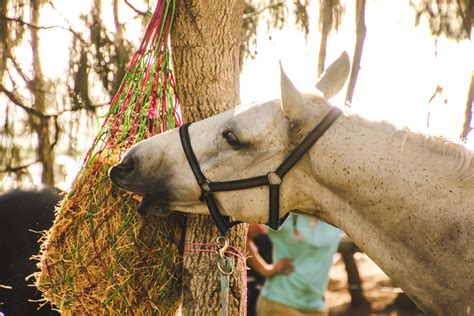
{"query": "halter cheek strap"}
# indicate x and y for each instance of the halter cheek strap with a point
(272, 179)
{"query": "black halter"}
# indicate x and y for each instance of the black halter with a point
(272, 179)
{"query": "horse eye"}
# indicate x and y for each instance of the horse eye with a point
(231, 139)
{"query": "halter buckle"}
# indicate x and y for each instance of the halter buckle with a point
(205, 186)
(274, 178)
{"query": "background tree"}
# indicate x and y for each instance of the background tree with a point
(39, 117)
(330, 15)
(455, 20)
(467, 125)
(359, 46)
(275, 14)
(34, 84)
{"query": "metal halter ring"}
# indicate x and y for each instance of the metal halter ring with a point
(274, 178)
(205, 186)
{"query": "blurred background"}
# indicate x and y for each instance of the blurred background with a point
(61, 63)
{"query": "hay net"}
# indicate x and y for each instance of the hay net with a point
(100, 256)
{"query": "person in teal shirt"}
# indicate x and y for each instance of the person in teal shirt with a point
(302, 254)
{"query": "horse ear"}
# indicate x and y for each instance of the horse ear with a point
(333, 78)
(292, 102)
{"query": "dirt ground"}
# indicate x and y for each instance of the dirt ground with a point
(381, 293)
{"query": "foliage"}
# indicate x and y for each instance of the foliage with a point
(447, 17)
(275, 14)
(330, 14)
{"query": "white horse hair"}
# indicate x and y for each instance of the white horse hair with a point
(404, 198)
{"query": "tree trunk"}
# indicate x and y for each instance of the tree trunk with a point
(466, 128)
(361, 31)
(3, 38)
(205, 46)
(325, 22)
(37, 88)
(121, 50)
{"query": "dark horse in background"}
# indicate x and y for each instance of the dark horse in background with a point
(22, 213)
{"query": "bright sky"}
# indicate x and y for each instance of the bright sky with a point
(399, 68)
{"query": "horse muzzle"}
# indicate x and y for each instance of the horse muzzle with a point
(122, 171)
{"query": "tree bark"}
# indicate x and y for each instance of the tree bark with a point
(205, 46)
(121, 50)
(466, 128)
(3, 38)
(361, 31)
(325, 22)
(37, 88)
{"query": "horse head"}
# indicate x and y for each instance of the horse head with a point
(243, 142)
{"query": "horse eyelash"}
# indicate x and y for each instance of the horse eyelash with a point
(236, 144)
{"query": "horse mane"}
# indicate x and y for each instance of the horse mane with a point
(456, 152)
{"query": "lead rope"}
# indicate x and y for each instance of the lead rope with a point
(224, 265)
(225, 270)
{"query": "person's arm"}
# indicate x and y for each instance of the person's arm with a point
(256, 262)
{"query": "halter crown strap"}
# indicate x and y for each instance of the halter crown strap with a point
(273, 179)
(310, 139)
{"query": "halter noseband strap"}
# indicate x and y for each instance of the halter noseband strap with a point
(272, 179)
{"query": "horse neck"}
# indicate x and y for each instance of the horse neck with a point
(393, 197)
(370, 166)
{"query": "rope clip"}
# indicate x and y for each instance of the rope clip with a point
(223, 245)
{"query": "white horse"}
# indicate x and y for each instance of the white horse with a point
(404, 198)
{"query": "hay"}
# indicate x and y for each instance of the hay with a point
(101, 257)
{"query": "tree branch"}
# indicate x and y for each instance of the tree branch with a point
(18, 168)
(131, 6)
(37, 27)
(18, 69)
(466, 128)
(17, 101)
(56, 132)
(361, 31)
(261, 10)
(466, 23)
(40, 27)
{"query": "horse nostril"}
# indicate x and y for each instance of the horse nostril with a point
(128, 165)
(123, 169)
